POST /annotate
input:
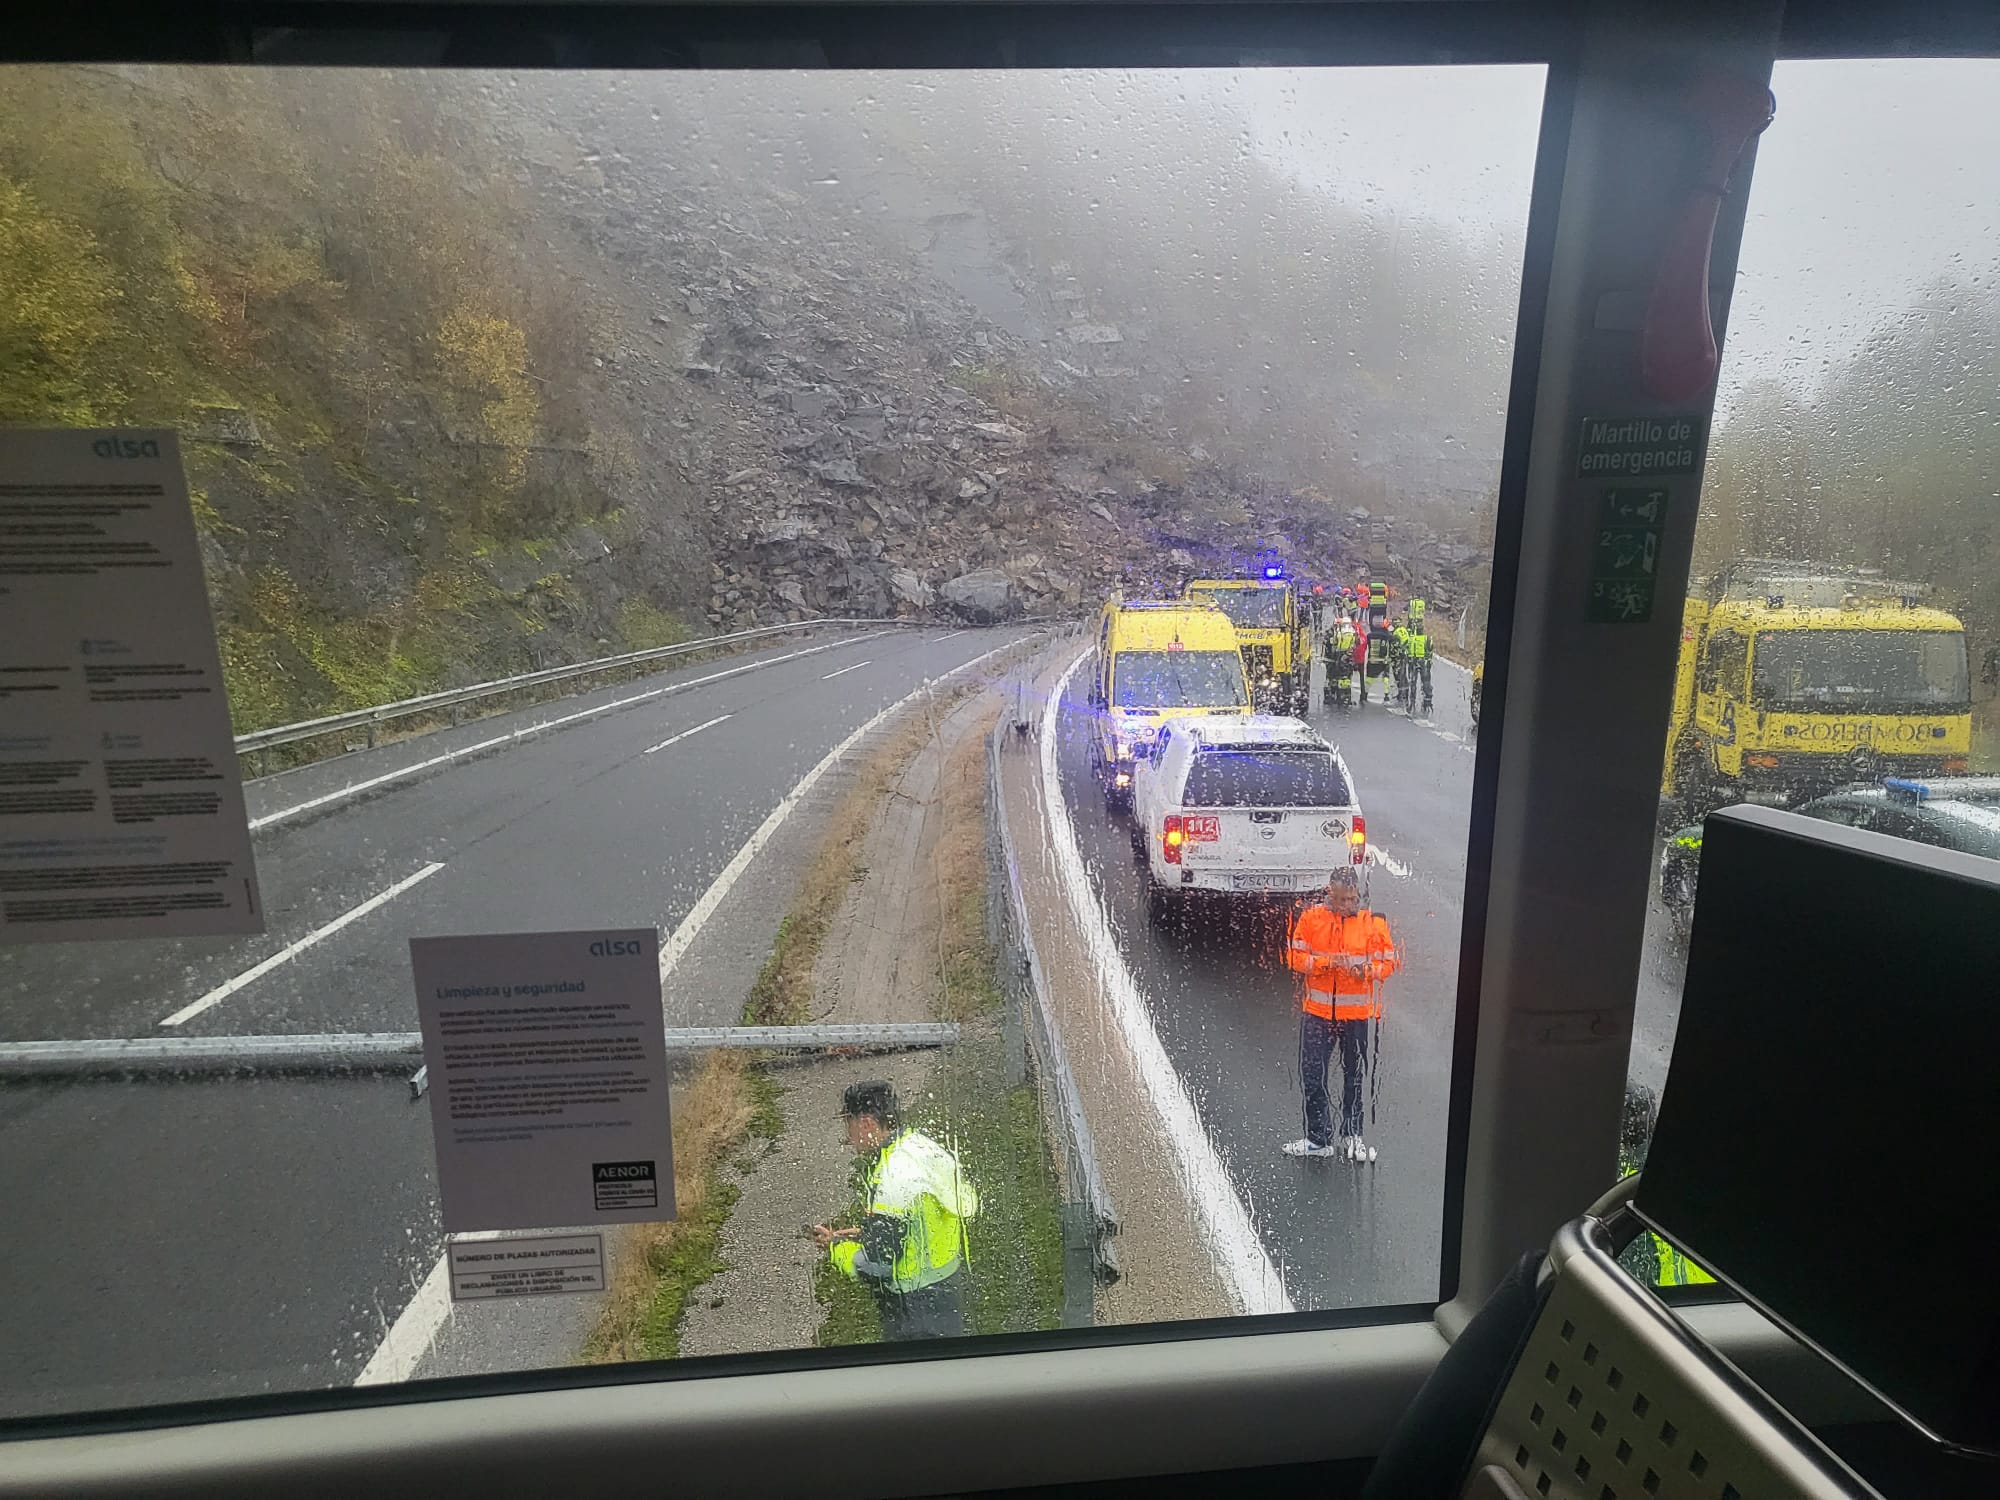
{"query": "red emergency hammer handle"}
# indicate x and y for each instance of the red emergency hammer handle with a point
(1677, 354)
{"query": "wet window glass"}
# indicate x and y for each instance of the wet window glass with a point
(1261, 609)
(681, 505)
(1855, 669)
(1264, 778)
(1850, 512)
(1177, 679)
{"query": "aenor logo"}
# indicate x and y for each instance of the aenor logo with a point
(616, 947)
(126, 448)
(624, 1184)
(624, 1171)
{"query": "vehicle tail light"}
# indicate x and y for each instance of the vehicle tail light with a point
(1954, 764)
(1768, 762)
(1171, 839)
(1357, 839)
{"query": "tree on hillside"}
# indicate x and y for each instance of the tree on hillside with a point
(1893, 463)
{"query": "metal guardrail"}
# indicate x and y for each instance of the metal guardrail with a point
(453, 698)
(394, 1051)
(1090, 1218)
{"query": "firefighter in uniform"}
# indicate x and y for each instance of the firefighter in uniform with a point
(1399, 660)
(1340, 658)
(1417, 647)
(910, 1247)
(1374, 649)
(1342, 953)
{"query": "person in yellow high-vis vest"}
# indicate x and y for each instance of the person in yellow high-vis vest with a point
(1649, 1257)
(1417, 656)
(910, 1247)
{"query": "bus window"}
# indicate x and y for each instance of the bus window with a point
(869, 386)
(1850, 514)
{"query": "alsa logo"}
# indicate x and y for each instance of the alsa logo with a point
(616, 947)
(126, 448)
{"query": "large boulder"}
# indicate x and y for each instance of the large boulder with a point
(910, 588)
(985, 595)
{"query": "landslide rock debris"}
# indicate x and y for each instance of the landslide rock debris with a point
(465, 389)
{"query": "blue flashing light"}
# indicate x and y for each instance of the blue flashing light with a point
(1272, 570)
(1915, 791)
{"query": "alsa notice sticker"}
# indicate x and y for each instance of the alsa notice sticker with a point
(547, 1059)
(121, 805)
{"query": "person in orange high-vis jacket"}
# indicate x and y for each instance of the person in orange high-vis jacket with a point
(1342, 953)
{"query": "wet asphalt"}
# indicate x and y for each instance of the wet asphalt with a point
(178, 1240)
(1227, 1011)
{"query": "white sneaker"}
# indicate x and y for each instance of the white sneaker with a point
(1304, 1147)
(1357, 1150)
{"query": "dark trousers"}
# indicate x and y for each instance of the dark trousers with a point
(1319, 1039)
(932, 1312)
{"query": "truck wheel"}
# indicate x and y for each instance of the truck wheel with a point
(1163, 906)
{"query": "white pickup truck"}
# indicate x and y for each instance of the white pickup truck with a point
(1247, 807)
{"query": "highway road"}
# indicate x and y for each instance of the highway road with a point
(176, 1240)
(1226, 1009)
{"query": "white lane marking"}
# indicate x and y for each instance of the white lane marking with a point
(1253, 1281)
(954, 635)
(410, 1337)
(690, 926)
(387, 777)
(845, 670)
(1466, 742)
(675, 739)
(285, 955)
(1378, 856)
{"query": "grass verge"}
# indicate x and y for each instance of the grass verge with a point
(995, 1129)
(726, 1104)
(782, 993)
(730, 1101)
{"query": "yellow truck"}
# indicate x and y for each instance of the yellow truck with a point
(1793, 680)
(1157, 659)
(1273, 630)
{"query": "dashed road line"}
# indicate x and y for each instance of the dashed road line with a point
(285, 955)
(845, 670)
(388, 778)
(1378, 856)
(1248, 1273)
(685, 734)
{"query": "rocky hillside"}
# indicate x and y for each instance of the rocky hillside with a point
(466, 390)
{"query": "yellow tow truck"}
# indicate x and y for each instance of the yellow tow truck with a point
(1274, 632)
(1795, 679)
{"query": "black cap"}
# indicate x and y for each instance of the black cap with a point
(873, 1097)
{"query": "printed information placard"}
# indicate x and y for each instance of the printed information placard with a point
(539, 1265)
(121, 806)
(548, 1078)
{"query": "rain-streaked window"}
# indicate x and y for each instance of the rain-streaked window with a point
(689, 503)
(1841, 639)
